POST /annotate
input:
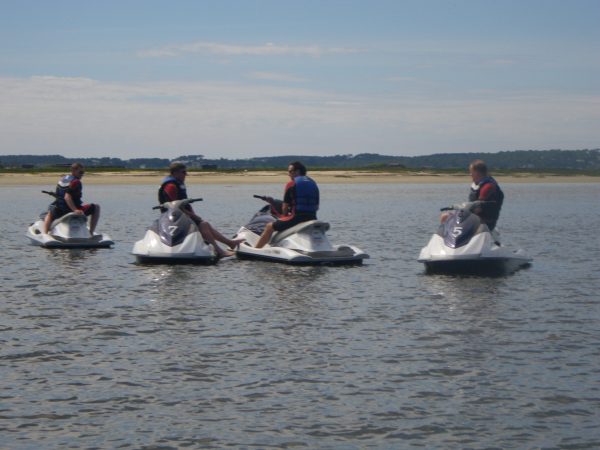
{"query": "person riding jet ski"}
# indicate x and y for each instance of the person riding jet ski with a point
(300, 203)
(486, 190)
(68, 199)
(173, 188)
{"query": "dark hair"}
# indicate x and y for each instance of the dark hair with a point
(176, 167)
(479, 166)
(298, 166)
(76, 165)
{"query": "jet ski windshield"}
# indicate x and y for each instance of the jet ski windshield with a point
(458, 229)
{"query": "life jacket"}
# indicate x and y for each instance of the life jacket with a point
(62, 188)
(181, 190)
(489, 211)
(307, 194)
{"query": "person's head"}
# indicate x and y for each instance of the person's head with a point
(478, 170)
(77, 169)
(178, 170)
(296, 169)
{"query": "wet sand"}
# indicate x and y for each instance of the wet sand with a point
(340, 176)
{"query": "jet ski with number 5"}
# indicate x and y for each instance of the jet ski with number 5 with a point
(174, 238)
(464, 244)
(302, 244)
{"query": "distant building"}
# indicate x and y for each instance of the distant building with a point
(209, 166)
(27, 166)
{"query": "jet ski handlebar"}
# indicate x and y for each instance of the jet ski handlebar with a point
(275, 205)
(467, 205)
(182, 202)
(52, 194)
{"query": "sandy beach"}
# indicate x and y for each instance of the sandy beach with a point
(324, 177)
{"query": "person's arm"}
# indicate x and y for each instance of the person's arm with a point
(73, 189)
(288, 198)
(485, 193)
(71, 204)
(171, 191)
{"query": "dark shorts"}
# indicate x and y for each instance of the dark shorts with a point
(88, 209)
(280, 225)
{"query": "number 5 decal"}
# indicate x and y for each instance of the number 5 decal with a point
(456, 231)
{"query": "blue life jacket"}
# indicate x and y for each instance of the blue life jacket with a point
(181, 190)
(62, 188)
(489, 211)
(307, 194)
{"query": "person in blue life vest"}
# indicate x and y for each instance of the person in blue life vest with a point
(484, 188)
(69, 192)
(300, 203)
(173, 188)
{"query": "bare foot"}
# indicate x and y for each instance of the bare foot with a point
(233, 243)
(225, 253)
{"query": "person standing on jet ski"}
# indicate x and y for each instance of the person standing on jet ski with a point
(173, 188)
(484, 188)
(69, 191)
(300, 203)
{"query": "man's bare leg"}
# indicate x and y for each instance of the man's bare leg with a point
(265, 236)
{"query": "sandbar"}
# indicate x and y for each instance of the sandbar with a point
(265, 177)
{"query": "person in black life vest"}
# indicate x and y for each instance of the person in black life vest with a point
(173, 188)
(69, 191)
(300, 203)
(484, 188)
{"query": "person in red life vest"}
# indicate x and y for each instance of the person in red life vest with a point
(484, 188)
(300, 203)
(69, 191)
(173, 188)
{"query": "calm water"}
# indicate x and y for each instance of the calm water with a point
(97, 352)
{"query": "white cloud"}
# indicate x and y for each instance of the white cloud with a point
(272, 76)
(268, 49)
(84, 117)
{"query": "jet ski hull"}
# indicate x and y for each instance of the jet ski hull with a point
(303, 244)
(192, 250)
(345, 255)
(70, 233)
(476, 266)
(482, 255)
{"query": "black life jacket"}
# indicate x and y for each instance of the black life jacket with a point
(62, 188)
(181, 190)
(489, 211)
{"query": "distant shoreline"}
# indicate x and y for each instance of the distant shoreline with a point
(278, 177)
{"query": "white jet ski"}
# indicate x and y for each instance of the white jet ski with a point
(68, 231)
(465, 245)
(174, 238)
(303, 244)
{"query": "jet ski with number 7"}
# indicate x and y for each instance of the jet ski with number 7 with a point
(174, 238)
(302, 244)
(464, 244)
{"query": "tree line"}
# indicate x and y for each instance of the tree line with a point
(571, 160)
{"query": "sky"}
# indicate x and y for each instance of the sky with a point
(242, 79)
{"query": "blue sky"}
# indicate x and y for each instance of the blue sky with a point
(252, 78)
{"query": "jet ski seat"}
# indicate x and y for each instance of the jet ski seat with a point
(281, 235)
